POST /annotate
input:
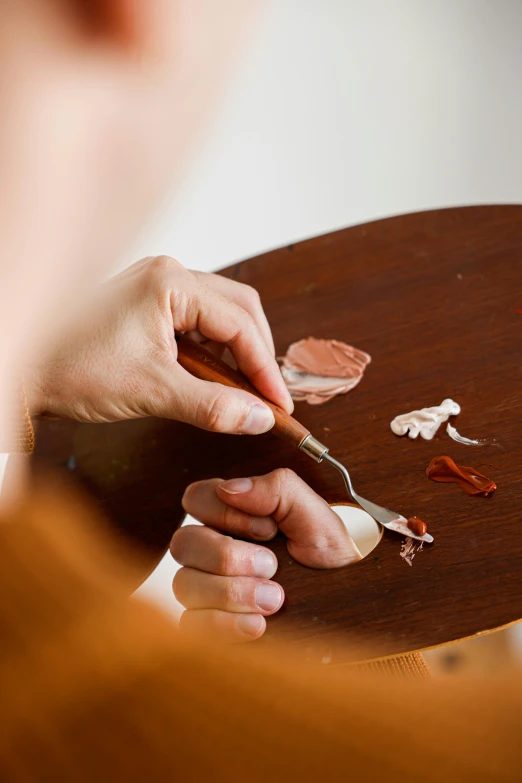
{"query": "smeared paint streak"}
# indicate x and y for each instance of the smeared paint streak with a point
(316, 370)
(445, 470)
(426, 421)
(409, 549)
(71, 463)
(452, 432)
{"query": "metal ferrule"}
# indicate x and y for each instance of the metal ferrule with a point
(313, 448)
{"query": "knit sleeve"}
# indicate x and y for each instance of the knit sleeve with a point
(97, 687)
(20, 440)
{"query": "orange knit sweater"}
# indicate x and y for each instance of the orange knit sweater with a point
(97, 687)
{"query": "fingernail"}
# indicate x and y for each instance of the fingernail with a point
(262, 528)
(251, 624)
(237, 486)
(260, 419)
(268, 597)
(265, 564)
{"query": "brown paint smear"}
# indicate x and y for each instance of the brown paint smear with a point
(470, 480)
(316, 370)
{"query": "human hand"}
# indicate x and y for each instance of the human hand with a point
(124, 365)
(226, 585)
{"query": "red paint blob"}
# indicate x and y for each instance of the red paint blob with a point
(417, 526)
(471, 481)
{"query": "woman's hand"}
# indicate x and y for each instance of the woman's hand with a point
(123, 364)
(226, 585)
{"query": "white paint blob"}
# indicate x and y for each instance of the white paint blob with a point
(426, 421)
(363, 528)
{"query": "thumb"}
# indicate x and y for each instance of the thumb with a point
(212, 406)
(316, 535)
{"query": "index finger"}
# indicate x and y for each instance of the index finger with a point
(222, 320)
(243, 295)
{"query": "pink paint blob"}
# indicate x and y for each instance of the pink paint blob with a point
(316, 370)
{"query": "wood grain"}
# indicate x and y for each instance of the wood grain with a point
(435, 298)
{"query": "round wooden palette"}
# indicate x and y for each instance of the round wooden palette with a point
(436, 299)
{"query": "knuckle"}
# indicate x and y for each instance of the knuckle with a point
(244, 323)
(252, 295)
(227, 558)
(320, 543)
(286, 490)
(159, 264)
(232, 519)
(285, 478)
(250, 323)
(161, 268)
(232, 593)
(216, 414)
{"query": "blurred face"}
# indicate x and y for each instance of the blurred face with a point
(100, 102)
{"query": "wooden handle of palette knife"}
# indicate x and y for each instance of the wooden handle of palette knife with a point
(199, 362)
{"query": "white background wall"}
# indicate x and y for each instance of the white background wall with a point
(343, 111)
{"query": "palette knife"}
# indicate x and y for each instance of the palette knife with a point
(198, 361)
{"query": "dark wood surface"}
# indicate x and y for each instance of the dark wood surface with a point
(435, 298)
